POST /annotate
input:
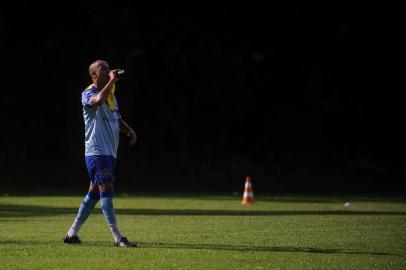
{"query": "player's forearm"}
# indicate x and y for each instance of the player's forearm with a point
(101, 97)
(124, 127)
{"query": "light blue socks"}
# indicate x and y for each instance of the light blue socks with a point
(106, 200)
(88, 204)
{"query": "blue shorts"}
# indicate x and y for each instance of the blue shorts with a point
(101, 169)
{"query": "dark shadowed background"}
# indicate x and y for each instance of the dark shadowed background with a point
(299, 96)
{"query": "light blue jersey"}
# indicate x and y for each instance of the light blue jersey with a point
(102, 125)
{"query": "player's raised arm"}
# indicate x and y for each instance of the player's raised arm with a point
(101, 97)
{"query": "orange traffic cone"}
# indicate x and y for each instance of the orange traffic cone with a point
(248, 197)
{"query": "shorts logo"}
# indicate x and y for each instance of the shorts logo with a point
(105, 173)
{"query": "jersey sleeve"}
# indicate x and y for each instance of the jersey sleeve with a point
(87, 97)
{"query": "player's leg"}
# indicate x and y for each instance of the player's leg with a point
(88, 204)
(106, 200)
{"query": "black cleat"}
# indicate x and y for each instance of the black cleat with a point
(71, 240)
(123, 242)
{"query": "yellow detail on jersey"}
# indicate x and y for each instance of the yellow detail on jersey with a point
(90, 86)
(110, 98)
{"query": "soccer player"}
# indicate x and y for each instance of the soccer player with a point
(103, 123)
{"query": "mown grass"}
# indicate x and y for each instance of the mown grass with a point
(207, 232)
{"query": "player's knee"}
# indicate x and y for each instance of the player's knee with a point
(93, 189)
(94, 192)
(106, 190)
(105, 186)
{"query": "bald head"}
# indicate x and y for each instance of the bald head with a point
(95, 65)
(99, 72)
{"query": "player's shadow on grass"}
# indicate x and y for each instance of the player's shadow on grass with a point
(258, 248)
(240, 248)
(21, 211)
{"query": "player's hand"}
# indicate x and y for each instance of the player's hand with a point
(113, 75)
(133, 136)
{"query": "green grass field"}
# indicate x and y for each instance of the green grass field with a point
(208, 232)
